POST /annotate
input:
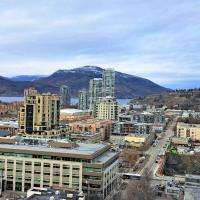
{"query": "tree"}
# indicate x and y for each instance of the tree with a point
(140, 189)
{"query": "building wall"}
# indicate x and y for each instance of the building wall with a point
(41, 112)
(108, 86)
(188, 131)
(107, 108)
(83, 100)
(102, 126)
(23, 173)
(65, 95)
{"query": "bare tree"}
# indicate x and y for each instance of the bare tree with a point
(139, 189)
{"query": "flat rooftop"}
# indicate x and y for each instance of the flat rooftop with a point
(73, 111)
(188, 125)
(99, 152)
(83, 148)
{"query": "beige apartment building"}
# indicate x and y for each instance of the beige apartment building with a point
(107, 108)
(40, 114)
(191, 131)
(57, 164)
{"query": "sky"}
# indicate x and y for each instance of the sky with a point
(154, 39)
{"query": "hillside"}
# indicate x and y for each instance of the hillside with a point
(183, 99)
(12, 88)
(127, 86)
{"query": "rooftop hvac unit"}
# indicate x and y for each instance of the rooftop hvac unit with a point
(70, 196)
(52, 198)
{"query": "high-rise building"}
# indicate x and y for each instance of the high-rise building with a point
(107, 108)
(95, 92)
(83, 100)
(40, 112)
(108, 88)
(65, 95)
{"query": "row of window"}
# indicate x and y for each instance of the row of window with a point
(21, 155)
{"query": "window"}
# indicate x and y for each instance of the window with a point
(37, 164)
(65, 175)
(46, 165)
(46, 173)
(75, 176)
(65, 183)
(66, 167)
(76, 168)
(56, 166)
(90, 169)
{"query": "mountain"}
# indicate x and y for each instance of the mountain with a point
(26, 77)
(178, 99)
(12, 88)
(127, 86)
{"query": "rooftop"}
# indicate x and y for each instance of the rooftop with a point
(73, 111)
(46, 194)
(188, 125)
(100, 152)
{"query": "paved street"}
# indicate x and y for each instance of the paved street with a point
(161, 146)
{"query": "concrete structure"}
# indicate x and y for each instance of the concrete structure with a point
(107, 108)
(191, 131)
(71, 115)
(42, 163)
(108, 83)
(93, 126)
(65, 98)
(40, 113)
(83, 97)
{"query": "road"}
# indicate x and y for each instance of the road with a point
(161, 146)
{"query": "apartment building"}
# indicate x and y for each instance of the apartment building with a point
(40, 113)
(42, 163)
(107, 108)
(191, 131)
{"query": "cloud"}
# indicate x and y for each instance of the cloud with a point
(154, 39)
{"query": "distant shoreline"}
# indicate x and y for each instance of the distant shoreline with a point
(73, 100)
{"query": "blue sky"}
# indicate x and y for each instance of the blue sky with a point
(155, 39)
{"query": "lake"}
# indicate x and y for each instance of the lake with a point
(73, 100)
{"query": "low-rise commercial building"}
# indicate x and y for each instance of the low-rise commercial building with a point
(28, 163)
(103, 127)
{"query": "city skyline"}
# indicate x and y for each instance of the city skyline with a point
(131, 36)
